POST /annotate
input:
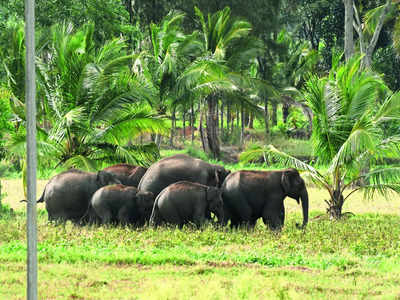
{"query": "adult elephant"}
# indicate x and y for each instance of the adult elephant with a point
(186, 202)
(121, 204)
(127, 174)
(178, 168)
(249, 195)
(67, 194)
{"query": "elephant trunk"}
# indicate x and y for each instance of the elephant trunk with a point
(304, 203)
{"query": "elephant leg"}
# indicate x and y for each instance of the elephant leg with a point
(282, 216)
(124, 217)
(273, 218)
(199, 220)
(106, 218)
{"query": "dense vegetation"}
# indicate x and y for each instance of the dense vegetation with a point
(311, 84)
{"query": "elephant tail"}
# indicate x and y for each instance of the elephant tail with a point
(155, 218)
(41, 199)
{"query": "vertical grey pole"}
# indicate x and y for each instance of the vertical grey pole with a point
(30, 93)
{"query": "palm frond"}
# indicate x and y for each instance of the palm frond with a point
(81, 162)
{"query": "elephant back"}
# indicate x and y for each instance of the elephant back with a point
(177, 168)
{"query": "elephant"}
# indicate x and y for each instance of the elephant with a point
(186, 202)
(178, 168)
(127, 174)
(249, 195)
(67, 194)
(121, 204)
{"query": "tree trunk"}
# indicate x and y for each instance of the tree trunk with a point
(274, 119)
(222, 119)
(228, 116)
(242, 123)
(285, 112)
(202, 134)
(129, 8)
(348, 29)
(217, 117)
(184, 124)
(211, 128)
(367, 60)
(266, 115)
(238, 118)
(192, 120)
(173, 119)
(251, 120)
(335, 205)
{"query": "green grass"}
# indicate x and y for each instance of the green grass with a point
(355, 258)
(349, 259)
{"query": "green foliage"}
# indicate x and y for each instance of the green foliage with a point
(5, 119)
(347, 134)
(387, 63)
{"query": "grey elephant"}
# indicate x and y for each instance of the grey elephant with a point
(67, 194)
(127, 174)
(178, 168)
(121, 204)
(186, 202)
(249, 195)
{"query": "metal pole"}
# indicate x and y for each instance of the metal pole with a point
(30, 93)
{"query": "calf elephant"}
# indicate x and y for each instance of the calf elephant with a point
(127, 174)
(178, 168)
(249, 195)
(121, 204)
(186, 202)
(67, 194)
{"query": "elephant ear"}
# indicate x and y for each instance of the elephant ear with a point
(287, 181)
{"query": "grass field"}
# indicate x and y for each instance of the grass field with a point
(357, 258)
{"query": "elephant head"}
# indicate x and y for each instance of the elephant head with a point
(104, 178)
(220, 173)
(294, 187)
(215, 202)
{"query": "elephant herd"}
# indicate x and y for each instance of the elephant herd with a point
(175, 190)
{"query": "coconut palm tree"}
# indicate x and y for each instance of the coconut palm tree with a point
(159, 66)
(226, 49)
(349, 108)
(91, 102)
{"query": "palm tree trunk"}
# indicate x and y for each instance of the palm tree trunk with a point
(184, 124)
(228, 115)
(171, 139)
(348, 29)
(192, 120)
(266, 115)
(285, 112)
(251, 120)
(217, 117)
(335, 205)
(274, 119)
(202, 134)
(242, 122)
(212, 137)
(222, 119)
